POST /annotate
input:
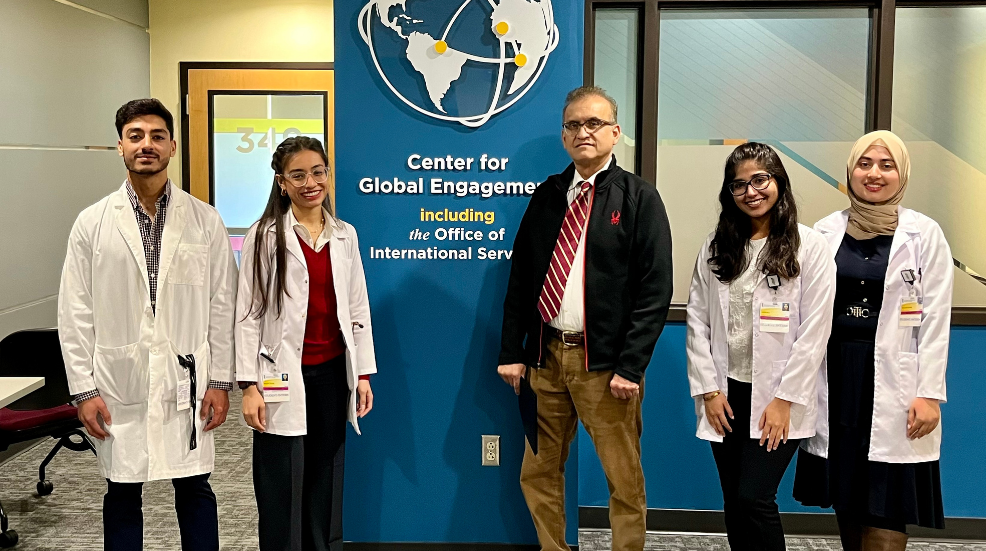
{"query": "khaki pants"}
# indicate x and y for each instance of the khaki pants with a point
(566, 393)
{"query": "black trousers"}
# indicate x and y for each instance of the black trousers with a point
(198, 516)
(749, 476)
(298, 479)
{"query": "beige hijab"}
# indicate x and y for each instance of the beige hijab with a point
(868, 220)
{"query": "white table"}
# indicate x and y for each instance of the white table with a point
(15, 388)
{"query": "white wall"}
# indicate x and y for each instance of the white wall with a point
(64, 71)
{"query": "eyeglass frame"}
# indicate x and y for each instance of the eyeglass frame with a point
(749, 183)
(574, 131)
(307, 175)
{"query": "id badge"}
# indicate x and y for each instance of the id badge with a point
(775, 317)
(910, 312)
(184, 394)
(276, 387)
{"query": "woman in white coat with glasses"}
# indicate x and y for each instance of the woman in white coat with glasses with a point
(875, 457)
(759, 314)
(304, 351)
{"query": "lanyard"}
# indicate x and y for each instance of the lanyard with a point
(188, 362)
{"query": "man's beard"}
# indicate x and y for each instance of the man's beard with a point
(146, 171)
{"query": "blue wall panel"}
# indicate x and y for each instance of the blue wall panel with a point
(415, 474)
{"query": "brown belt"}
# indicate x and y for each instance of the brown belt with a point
(569, 338)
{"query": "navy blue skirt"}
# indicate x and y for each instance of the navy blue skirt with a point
(899, 493)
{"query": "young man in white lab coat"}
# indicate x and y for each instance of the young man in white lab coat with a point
(145, 318)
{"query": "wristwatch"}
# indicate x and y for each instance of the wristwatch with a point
(246, 384)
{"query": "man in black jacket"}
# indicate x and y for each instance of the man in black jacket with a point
(589, 290)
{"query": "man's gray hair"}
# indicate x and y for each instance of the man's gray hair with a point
(585, 91)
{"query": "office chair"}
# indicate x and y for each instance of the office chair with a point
(42, 413)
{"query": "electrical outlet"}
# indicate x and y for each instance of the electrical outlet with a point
(491, 450)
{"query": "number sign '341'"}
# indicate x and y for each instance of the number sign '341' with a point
(268, 138)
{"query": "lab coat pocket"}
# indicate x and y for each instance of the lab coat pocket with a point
(119, 374)
(777, 370)
(190, 265)
(908, 378)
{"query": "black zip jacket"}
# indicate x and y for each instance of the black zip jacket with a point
(628, 273)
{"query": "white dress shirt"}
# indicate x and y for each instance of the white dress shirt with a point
(306, 235)
(740, 335)
(571, 315)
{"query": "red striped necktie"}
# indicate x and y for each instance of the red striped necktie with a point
(561, 260)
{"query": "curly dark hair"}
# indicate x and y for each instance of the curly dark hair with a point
(728, 250)
(277, 207)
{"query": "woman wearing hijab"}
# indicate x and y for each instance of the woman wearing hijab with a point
(874, 458)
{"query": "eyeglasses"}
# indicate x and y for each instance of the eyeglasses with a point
(759, 182)
(299, 178)
(591, 126)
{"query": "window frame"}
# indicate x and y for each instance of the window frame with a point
(879, 88)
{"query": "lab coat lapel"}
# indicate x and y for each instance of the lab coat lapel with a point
(126, 223)
(174, 226)
(833, 228)
(291, 241)
(723, 301)
(341, 264)
(904, 235)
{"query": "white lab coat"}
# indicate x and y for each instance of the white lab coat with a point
(283, 336)
(909, 361)
(785, 365)
(113, 342)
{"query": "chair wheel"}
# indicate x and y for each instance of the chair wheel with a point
(45, 487)
(8, 538)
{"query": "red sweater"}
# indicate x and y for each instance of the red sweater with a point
(323, 337)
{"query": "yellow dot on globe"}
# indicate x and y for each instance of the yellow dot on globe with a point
(502, 27)
(520, 60)
(441, 46)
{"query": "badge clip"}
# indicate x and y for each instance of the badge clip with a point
(908, 276)
(773, 281)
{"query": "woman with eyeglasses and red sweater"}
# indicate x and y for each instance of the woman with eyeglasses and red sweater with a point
(304, 351)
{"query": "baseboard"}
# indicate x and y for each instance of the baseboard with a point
(362, 546)
(795, 524)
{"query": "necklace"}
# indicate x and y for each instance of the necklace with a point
(321, 227)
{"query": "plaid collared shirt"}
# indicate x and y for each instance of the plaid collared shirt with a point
(151, 232)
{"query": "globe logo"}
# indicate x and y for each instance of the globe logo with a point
(466, 62)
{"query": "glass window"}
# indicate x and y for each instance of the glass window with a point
(246, 128)
(939, 109)
(795, 79)
(615, 70)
